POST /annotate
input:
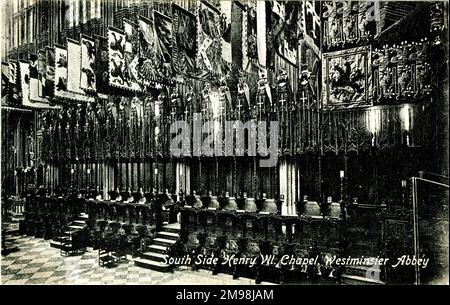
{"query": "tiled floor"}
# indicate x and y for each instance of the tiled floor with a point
(37, 263)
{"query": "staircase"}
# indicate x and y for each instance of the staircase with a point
(64, 242)
(155, 254)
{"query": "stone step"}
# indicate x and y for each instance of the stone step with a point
(168, 235)
(60, 245)
(157, 249)
(163, 242)
(9, 248)
(154, 256)
(76, 227)
(14, 214)
(10, 232)
(171, 230)
(359, 280)
(79, 222)
(56, 238)
(150, 264)
(17, 217)
(8, 239)
(56, 244)
(108, 258)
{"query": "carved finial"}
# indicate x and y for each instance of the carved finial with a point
(161, 96)
(305, 75)
(174, 98)
(282, 80)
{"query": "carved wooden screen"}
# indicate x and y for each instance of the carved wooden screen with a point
(347, 77)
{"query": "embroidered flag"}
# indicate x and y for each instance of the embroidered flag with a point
(209, 38)
(25, 82)
(13, 83)
(116, 42)
(163, 38)
(261, 7)
(34, 79)
(50, 73)
(12, 76)
(101, 64)
(282, 31)
(60, 71)
(87, 81)
(289, 47)
(131, 54)
(237, 15)
(5, 82)
(42, 72)
(184, 41)
(250, 48)
(73, 66)
(148, 68)
(225, 29)
(311, 24)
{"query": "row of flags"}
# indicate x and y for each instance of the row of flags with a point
(177, 44)
(29, 82)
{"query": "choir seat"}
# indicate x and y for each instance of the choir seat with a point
(333, 210)
(230, 203)
(312, 209)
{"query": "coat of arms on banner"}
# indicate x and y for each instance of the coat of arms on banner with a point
(34, 78)
(74, 66)
(225, 29)
(101, 63)
(25, 82)
(50, 73)
(132, 54)
(346, 76)
(5, 81)
(60, 71)
(251, 28)
(184, 41)
(42, 72)
(88, 81)
(13, 87)
(149, 67)
(116, 42)
(209, 38)
(163, 38)
(275, 15)
(288, 49)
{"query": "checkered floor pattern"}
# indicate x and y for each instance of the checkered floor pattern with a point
(37, 263)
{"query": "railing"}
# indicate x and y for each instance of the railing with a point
(13, 205)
